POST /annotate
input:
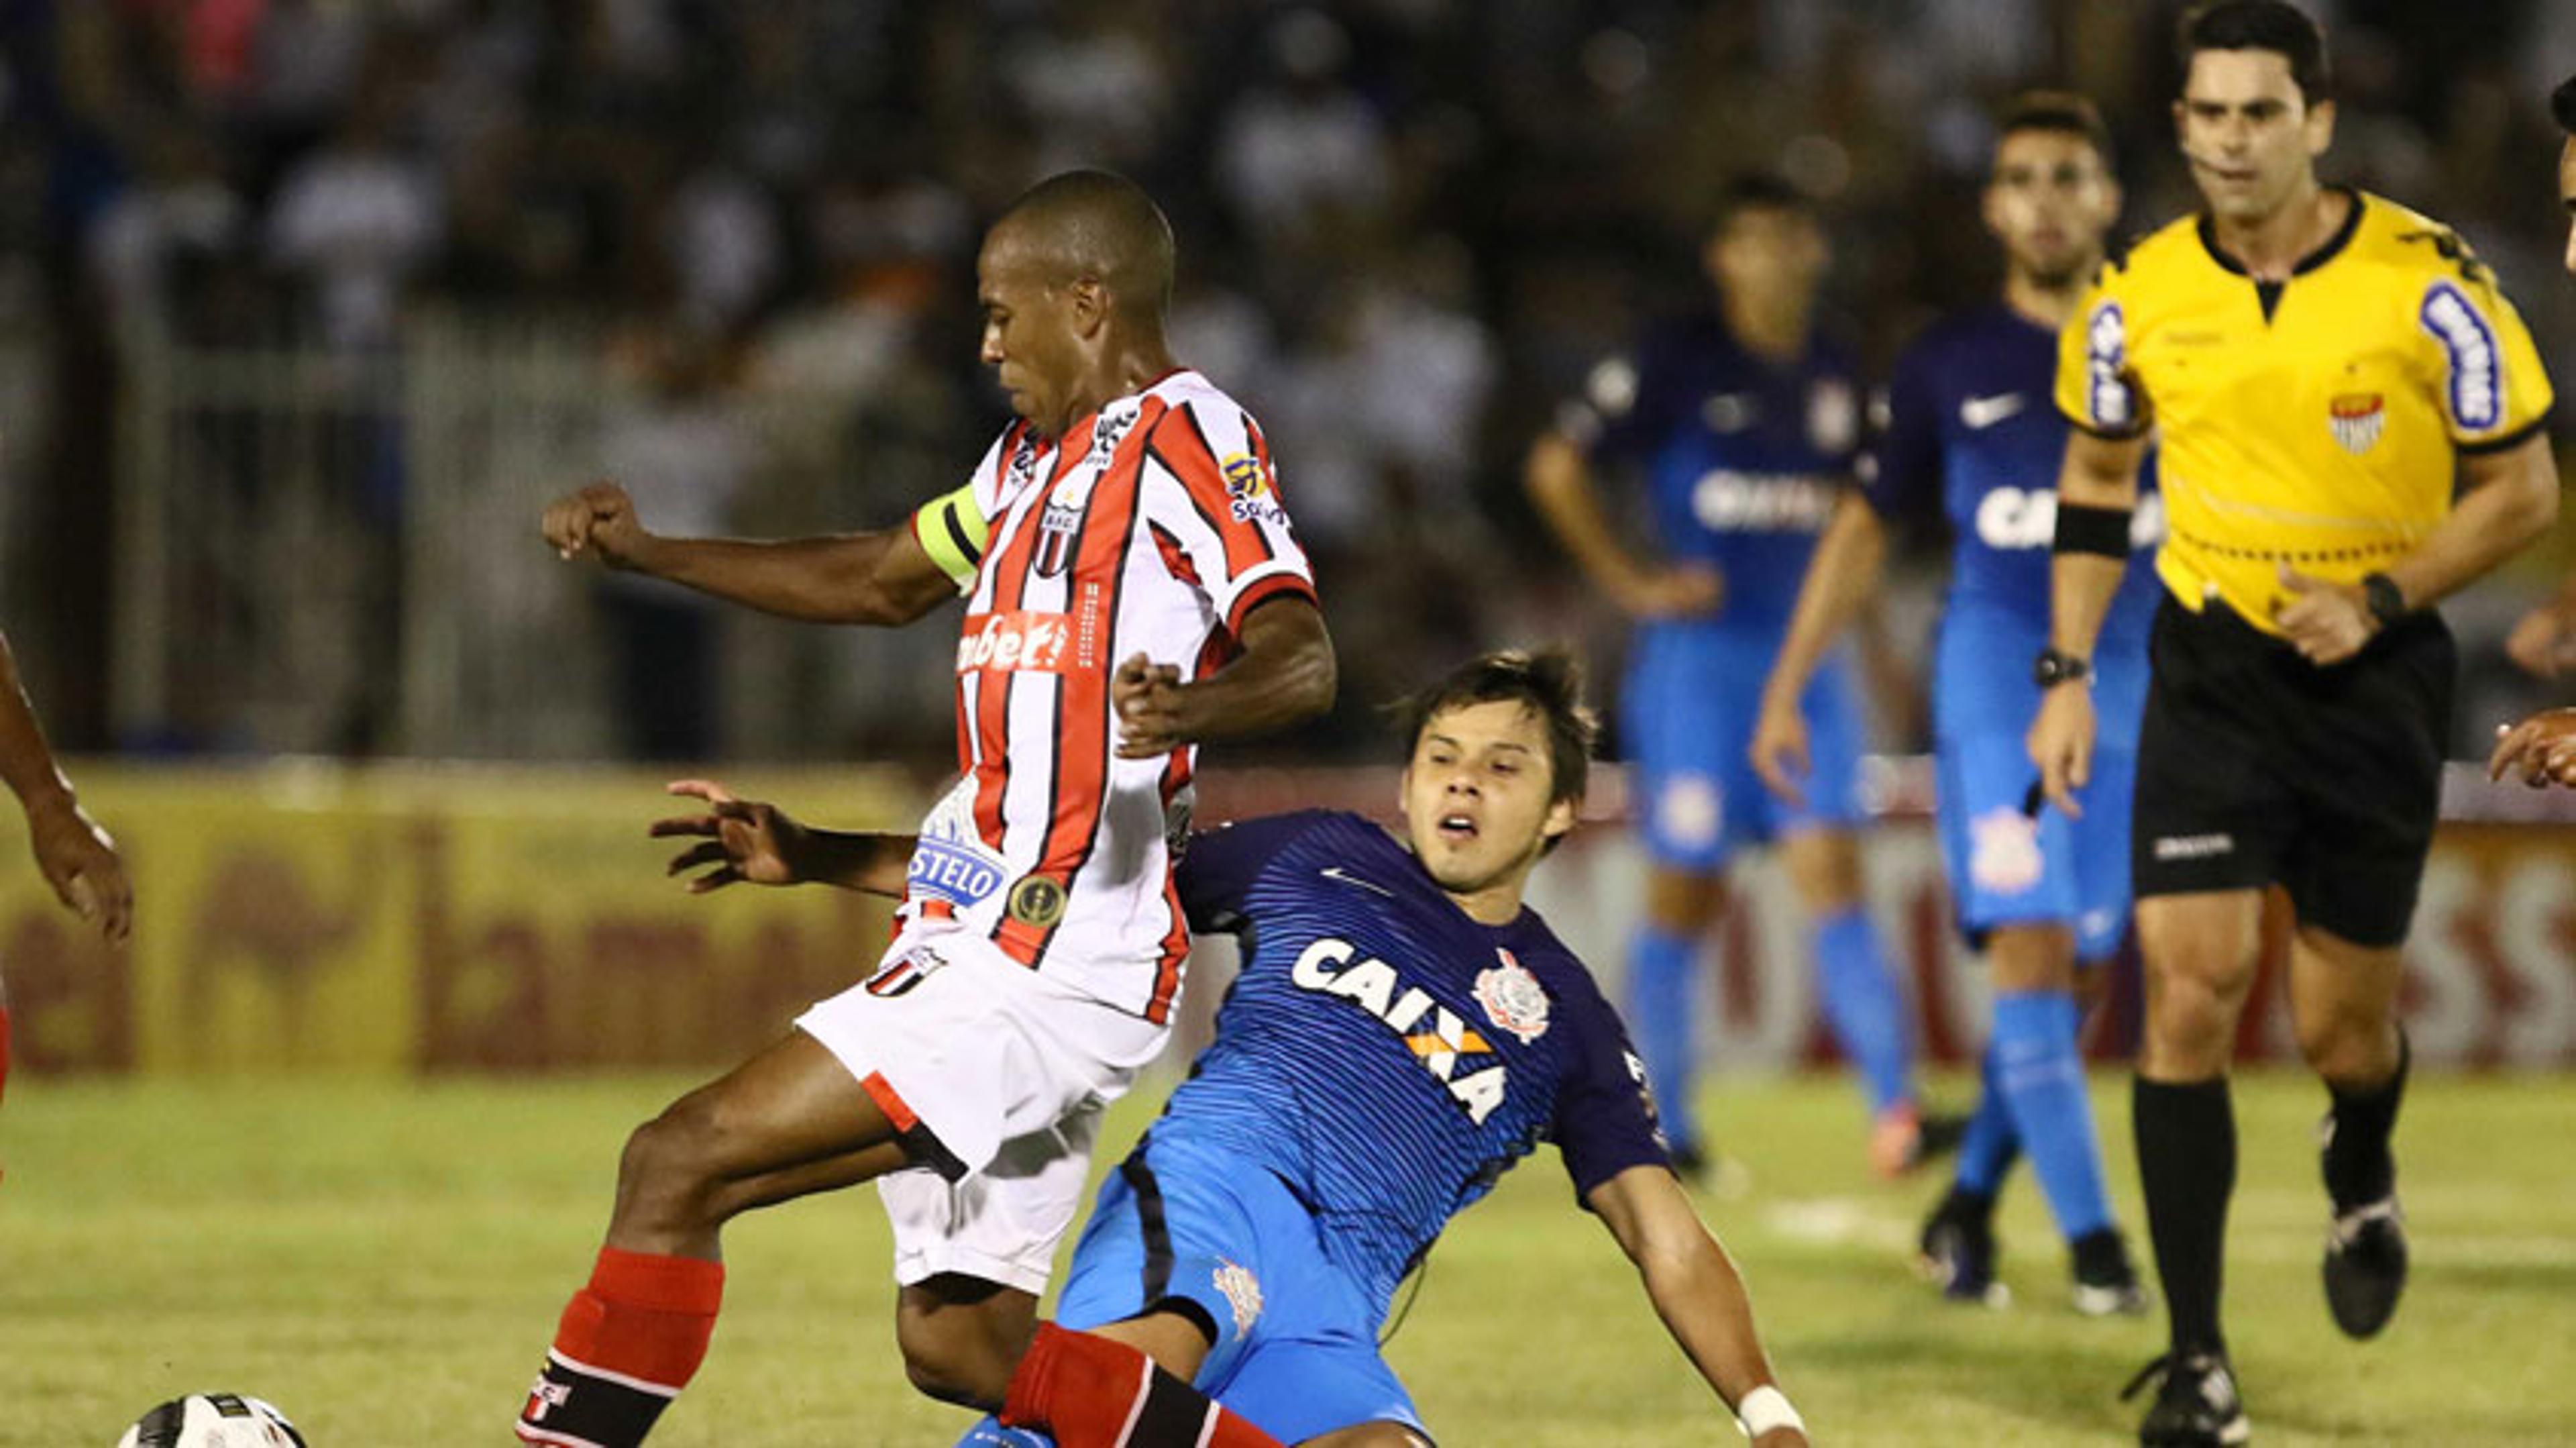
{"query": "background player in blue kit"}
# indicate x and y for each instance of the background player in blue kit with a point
(1970, 437)
(1743, 422)
(1403, 1030)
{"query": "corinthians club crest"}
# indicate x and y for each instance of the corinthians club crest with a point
(2357, 418)
(1512, 997)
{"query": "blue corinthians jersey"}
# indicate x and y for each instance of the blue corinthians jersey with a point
(1969, 435)
(1385, 1056)
(1742, 457)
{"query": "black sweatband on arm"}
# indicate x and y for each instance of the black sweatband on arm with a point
(2082, 528)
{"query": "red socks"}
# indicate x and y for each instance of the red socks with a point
(1090, 1392)
(626, 1346)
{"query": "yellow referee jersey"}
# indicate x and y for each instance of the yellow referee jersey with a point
(2316, 421)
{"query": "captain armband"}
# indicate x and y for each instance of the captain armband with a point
(2082, 528)
(953, 531)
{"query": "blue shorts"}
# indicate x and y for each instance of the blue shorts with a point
(1687, 715)
(1296, 1348)
(2008, 867)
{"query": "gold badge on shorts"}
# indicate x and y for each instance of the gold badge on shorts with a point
(1037, 901)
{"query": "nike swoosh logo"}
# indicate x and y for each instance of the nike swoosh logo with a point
(1335, 872)
(1980, 413)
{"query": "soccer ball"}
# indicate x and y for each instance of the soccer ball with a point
(212, 1420)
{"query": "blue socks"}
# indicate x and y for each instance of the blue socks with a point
(1663, 1015)
(1865, 1008)
(2033, 1059)
(1990, 1145)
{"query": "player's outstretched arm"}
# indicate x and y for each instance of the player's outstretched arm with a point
(1695, 1289)
(2097, 491)
(1285, 674)
(1560, 486)
(749, 842)
(1842, 576)
(77, 857)
(2543, 642)
(884, 577)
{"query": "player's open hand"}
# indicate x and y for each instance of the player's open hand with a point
(599, 520)
(1780, 752)
(2327, 622)
(1692, 590)
(1153, 708)
(2539, 751)
(745, 840)
(80, 861)
(2543, 643)
(2061, 744)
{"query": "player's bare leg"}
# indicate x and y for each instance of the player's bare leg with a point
(2201, 951)
(1857, 984)
(2343, 999)
(786, 1123)
(962, 1337)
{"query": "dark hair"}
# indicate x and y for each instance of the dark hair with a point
(2063, 112)
(1549, 682)
(2273, 25)
(2562, 104)
(1757, 191)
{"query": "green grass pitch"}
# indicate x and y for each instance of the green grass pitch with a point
(385, 1262)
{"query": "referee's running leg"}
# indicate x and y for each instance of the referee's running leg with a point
(2258, 768)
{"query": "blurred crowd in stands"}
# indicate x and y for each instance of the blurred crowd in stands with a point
(1407, 226)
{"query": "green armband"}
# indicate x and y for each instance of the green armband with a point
(953, 532)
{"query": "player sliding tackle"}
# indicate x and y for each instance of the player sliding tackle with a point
(1403, 1031)
(1041, 944)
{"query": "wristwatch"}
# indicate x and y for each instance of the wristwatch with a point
(2385, 600)
(2056, 666)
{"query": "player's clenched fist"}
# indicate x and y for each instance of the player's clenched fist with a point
(600, 519)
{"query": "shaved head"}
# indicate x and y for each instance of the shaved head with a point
(1095, 226)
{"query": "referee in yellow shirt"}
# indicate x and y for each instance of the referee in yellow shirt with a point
(2319, 367)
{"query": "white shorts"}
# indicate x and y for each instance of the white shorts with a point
(997, 1075)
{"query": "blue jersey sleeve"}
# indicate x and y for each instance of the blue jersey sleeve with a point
(1903, 467)
(1626, 409)
(1219, 865)
(1605, 1118)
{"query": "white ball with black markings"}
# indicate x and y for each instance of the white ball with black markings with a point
(212, 1420)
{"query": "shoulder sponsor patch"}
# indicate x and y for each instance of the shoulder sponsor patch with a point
(2477, 380)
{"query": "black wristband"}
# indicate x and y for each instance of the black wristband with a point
(2055, 666)
(2082, 528)
(2386, 601)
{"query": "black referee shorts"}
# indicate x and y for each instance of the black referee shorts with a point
(2256, 767)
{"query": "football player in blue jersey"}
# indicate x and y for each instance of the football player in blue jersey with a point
(1743, 422)
(1403, 1030)
(1969, 438)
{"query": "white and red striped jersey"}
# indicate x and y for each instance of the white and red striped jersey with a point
(1152, 526)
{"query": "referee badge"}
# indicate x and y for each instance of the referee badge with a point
(2357, 418)
(1037, 901)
